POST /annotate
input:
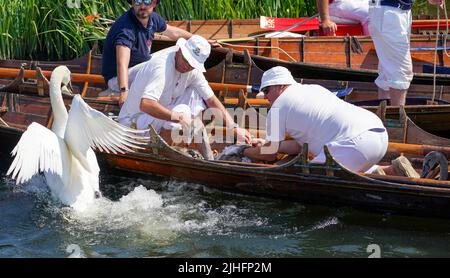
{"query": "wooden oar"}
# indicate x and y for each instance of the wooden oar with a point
(76, 77)
(420, 150)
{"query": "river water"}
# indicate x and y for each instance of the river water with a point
(145, 216)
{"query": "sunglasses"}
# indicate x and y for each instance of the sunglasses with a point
(146, 2)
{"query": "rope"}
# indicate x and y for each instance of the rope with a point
(223, 41)
(260, 47)
(3, 122)
(445, 37)
(446, 29)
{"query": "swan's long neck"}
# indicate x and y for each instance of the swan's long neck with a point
(60, 114)
(444, 168)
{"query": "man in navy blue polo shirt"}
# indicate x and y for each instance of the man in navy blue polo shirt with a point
(129, 43)
(390, 27)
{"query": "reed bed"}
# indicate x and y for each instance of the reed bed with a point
(57, 30)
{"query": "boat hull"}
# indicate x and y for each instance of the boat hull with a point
(350, 190)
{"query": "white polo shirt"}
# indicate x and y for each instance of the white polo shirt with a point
(158, 80)
(312, 114)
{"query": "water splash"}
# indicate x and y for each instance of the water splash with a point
(144, 217)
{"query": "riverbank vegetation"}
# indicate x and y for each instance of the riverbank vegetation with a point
(62, 29)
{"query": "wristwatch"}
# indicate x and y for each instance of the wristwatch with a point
(123, 89)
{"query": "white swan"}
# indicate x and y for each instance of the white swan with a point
(64, 154)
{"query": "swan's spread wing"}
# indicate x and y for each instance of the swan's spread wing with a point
(38, 150)
(89, 127)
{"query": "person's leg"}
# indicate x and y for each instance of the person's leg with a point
(398, 97)
(345, 154)
(400, 167)
(360, 153)
(352, 9)
(196, 138)
(113, 85)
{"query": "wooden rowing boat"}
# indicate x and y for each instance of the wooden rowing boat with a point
(244, 28)
(227, 67)
(347, 50)
(295, 179)
(327, 184)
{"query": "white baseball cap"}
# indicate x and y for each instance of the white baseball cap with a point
(195, 50)
(277, 76)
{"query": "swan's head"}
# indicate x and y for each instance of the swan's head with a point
(63, 75)
(61, 78)
(432, 160)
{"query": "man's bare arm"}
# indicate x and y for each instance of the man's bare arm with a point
(123, 60)
(241, 133)
(153, 108)
(328, 26)
(268, 152)
(174, 33)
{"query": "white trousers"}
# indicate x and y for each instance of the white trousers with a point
(360, 153)
(189, 103)
(355, 10)
(390, 29)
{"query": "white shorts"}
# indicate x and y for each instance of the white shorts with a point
(390, 29)
(113, 85)
(189, 102)
(357, 10)
(360, 153)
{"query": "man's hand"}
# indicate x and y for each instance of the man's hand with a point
(214, 43)
(329, 27)
(122, 98)
(183, 119)
(257, 142)
(242, 135)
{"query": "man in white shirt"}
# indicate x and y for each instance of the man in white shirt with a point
(332, 11)
(170, 89)
(311, 114)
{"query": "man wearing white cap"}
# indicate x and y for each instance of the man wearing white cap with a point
(170, 90)
(311, 114)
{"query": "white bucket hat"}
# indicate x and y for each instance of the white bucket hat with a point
(277, 76)
(196, 50)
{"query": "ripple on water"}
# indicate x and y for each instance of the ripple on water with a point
(158, 218)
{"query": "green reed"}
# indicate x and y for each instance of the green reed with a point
(44, 29)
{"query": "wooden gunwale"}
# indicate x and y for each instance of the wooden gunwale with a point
(420, 114)
(426, 188)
